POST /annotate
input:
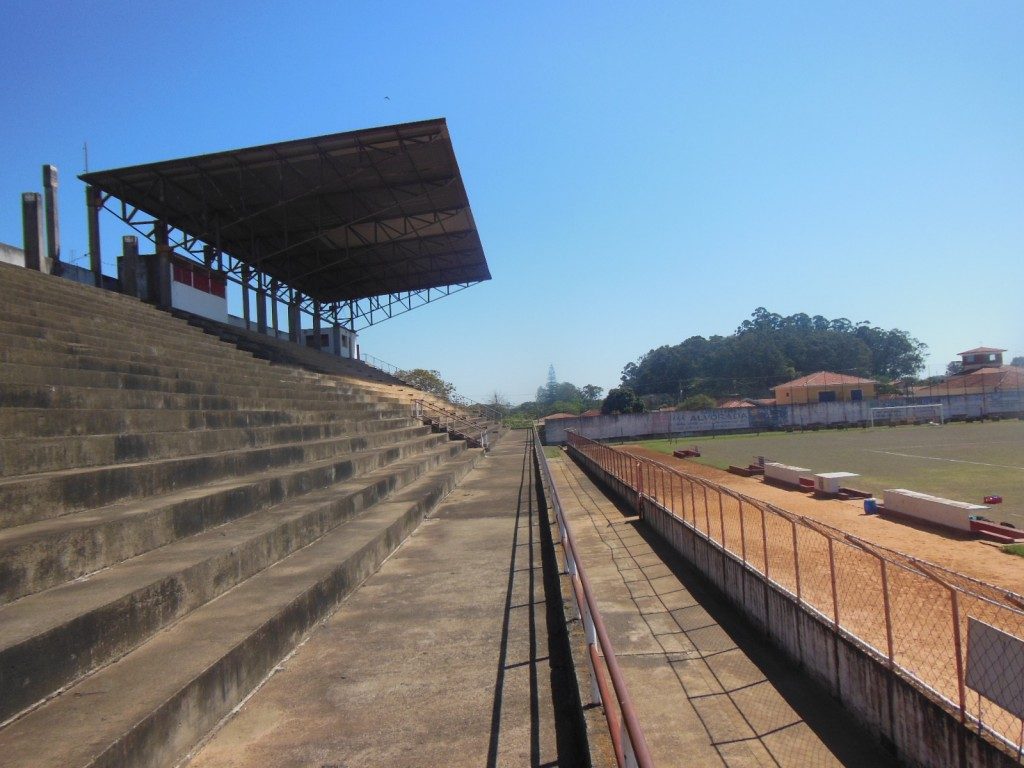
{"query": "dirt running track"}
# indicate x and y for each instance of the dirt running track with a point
(972, 557)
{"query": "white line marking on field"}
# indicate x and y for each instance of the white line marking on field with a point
(939, 458)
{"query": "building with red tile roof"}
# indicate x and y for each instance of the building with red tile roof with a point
(824, 387)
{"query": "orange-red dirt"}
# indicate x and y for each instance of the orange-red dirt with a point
(973, 557)
(900, 612)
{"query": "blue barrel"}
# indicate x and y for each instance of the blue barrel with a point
(870, 507)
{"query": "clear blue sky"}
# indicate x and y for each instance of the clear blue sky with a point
(638, 174)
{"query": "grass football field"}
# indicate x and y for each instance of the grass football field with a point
(958, 461)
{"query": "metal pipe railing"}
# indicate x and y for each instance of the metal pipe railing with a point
(631, 750)
(450, 421)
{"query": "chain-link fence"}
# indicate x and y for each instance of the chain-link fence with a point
(909, 614)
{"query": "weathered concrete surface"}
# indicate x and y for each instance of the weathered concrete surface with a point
(708, 691)
(441, 658)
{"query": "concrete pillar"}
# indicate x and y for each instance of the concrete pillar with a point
(93, 203)
(245, 295)
(316, 325)
(274, 288)
(162, 289)
(129, 272)
(295, 318)
(52, 218)
(261, 306)
(32, 230)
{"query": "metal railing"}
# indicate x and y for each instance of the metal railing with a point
(909, 614)
(489, 412)
(627, 736)
(451, 421)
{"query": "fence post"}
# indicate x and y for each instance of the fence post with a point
(707, 514)
(721, 515)
(961, 688)
(888, 612)
(693, 507)
(835, 592)
(764, 542)
(743, 537)
(640, 489)
(796, 560)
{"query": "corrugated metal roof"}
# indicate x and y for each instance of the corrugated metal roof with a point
(338, 217)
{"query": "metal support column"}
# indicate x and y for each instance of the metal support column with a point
(162, 290)
(32, 230)
(316, 325)
(245, 295)
(261, 305)
(274, 287)
(294, 318)
(52, 218)
(93, 203)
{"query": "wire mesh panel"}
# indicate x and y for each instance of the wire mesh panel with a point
(922, 630)
(860, 595)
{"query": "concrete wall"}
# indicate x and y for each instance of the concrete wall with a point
(198, 302)
(10, 254)
(920, 730)
(784, 473)
(719, 420)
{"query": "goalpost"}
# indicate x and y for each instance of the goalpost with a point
(902, 414)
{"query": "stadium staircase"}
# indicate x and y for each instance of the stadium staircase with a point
(474, 424)
(175, 515)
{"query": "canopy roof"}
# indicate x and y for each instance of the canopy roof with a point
(339, 217)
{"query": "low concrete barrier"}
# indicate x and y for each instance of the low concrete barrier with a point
(932, 509)
(785, 474)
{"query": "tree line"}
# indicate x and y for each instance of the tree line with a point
(769, 349)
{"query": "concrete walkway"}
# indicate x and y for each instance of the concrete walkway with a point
(708, 691)
(440, 658)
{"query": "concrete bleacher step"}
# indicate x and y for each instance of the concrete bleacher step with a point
(29, 455)
(281, 351)
(51, 638)
(200, 667)
(175, 513)
(46, 495)
(40, 554)
(50, 376)
(59, 422)
(68, 396)
(37, 360)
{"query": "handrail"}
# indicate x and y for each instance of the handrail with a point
(450, 418)
(454, 397)
(627, 735)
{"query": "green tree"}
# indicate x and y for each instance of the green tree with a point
(622, 400)
(429, 381)
(698, 403)
(1018, 361)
